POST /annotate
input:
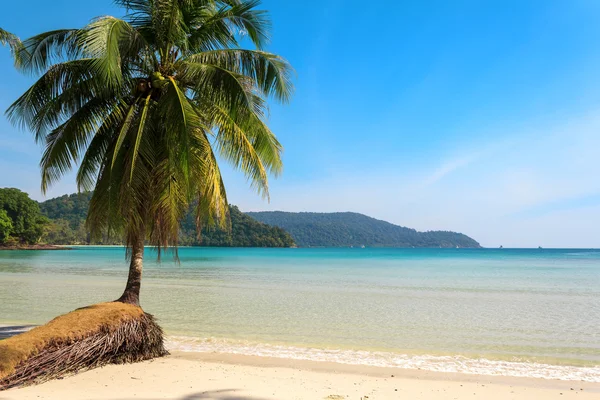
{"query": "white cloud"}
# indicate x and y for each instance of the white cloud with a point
(447, 168)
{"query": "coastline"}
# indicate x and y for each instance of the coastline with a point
(37, 247)
(437, 362)
(227, 377)
(404, 363)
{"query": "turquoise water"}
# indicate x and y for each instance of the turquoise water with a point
(510, 312)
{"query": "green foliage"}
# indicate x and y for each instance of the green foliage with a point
(351, 229)
(12, 41)
(26, 221)
(68, 214)
(6, 226)
(59, 232)
(245, 232)
(147, 103)
(70, 208)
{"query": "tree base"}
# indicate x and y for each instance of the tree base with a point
(109, 333)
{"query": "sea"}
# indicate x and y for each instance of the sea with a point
(511, 312)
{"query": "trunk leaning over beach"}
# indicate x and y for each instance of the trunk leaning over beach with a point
(131, 295)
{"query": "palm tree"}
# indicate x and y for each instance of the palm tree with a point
(146, 105)
(8, 39)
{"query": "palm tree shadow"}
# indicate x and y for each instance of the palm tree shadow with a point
(223, 394)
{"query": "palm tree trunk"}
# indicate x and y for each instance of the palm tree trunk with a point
(131, 295)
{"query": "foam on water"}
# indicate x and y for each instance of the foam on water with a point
(453, 364)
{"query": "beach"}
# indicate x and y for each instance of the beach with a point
(212, 376)
(256, 324)
(420, 221)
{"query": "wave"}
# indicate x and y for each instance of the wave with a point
(456, 364)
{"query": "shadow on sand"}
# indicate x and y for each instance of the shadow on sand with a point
(224, 394)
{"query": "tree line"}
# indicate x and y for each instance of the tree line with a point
(61, 221)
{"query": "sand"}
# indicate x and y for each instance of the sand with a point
(201, 376)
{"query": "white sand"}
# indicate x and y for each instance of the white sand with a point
(197, 376)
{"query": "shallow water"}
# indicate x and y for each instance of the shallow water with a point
(509, 312)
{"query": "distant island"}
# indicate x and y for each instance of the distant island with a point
(347, 229)
(25, 223)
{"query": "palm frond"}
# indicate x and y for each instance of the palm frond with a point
(123, 132)
(221, 26)
(114, 47)
(6, 38)
(212, 206)
(218, 85)
(59, 93)
(139, 135)
(15, 44)
(233, 145)
(271, 73)
(40, 52)
(65, 143)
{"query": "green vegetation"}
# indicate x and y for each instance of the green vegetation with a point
(21, 221)
(352, 229)
(72, 209)
(12, 41)
(145, 105)
(67, 216)
(245, 232)
(67, 226)
(6, 226)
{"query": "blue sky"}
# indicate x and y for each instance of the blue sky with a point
(478, 117)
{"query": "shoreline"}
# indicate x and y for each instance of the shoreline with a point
(227, 377)
(469, 364)
(380, 372)
(417, 364)
(36, 247)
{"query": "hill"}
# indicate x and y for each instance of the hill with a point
(263, 229)
(352, 229)
(67, 216)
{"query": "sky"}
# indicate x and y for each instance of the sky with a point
(470, 116)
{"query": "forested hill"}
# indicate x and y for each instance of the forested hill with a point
(67, 216)
(352, 229)
(262, 229)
